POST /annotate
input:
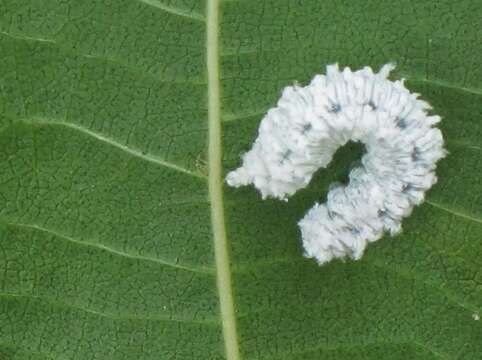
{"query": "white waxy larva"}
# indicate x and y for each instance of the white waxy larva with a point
(302, 133)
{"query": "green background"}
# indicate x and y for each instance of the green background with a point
(106, 250)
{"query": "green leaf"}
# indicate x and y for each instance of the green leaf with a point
(118, 121)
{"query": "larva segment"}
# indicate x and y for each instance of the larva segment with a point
(302, 133)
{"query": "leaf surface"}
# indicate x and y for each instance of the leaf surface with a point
(118, 120)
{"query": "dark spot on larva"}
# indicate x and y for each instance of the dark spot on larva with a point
(285, 155)
(352, 230)
(306, 128)
(385, 214)
(335, 108)
(401, 123)
(411, 187)
(332, 214)
(407, 187)
(372, 105)
(415, 154)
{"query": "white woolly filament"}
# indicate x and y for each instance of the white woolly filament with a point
(302, 133)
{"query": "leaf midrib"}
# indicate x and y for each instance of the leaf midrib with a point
(215, 182)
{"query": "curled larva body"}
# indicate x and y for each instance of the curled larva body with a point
(302, 133)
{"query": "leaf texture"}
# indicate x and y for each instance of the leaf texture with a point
(118, 121)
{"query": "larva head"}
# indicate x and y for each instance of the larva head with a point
(283, 157)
